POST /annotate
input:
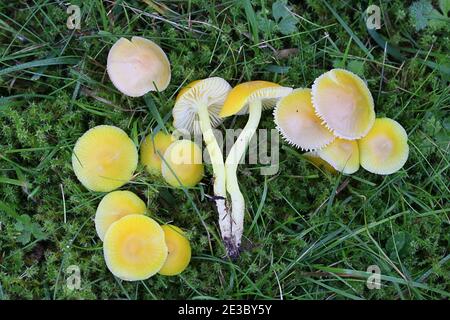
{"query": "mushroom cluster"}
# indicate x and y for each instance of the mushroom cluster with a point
(104, 159)
(335, 123)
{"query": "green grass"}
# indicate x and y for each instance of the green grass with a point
(309, 235)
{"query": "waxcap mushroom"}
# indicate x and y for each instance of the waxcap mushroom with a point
(104, 158)
(249, 97)
(384, 150)
(138, 66)
(114, 206)
(241, 95)
(210, 92)
(182, 164)
(135, 247)
(342, 155)
(298, 123)
(344, 103)
(152, 150)
(179, 248)
(317, 161)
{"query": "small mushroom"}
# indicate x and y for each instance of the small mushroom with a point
(182, 164)
(249, 97)
(344, 103)
(152, 150)
(135, 247)
(298, 123)
(317, 161)
(342, 155)
(104, 158)
(138, 66)
(384, 150)
(114, 206)
(197, 110)
(179, 254)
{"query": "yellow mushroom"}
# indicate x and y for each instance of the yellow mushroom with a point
(344, 103)
(384, 150)
(297, 122)
(135, 247)
(342, 155)
(114, 206)
(104, 158)
(249, 97)
(152, 150)
(179, 254)
(316, 160)
(182, 164)
(138, 66)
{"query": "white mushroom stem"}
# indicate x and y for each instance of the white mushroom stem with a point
(231, 164)
(216, 156)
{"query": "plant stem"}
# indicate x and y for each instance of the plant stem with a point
(216, 156)
(231, 164)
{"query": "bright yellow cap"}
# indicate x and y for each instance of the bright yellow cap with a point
(152, 150)
(314, 158)
(239, 97)
(184, 158)
(135, 248)
(343, 101)
(297, 122)
(138, 66)
(104, 158)
(114, 206)
(179, 254)
(186, 89)
(342, 154)
(384, 150)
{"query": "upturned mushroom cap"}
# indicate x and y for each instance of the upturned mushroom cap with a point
(384, 150)
(211, 91)
(297, 122)
(135, 247)
(179, 254)
(138, 66)
(183, 162)
(241, 95)
(104, 158)
(342, 155)
(114, 206)
(343, 101)
(152, 150)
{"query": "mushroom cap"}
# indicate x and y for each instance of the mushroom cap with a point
(316, 160)
(114, 206)
(384, 150)
(104, 158)
(297, 122)
(179, 249)
(138, 66)
(241, 95)
(184, 158)
(344, 103)
(212, 91)
(342, 155)
(135, 247)
(152, 149)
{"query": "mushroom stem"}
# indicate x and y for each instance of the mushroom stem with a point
(216, 156)
(231, 164)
